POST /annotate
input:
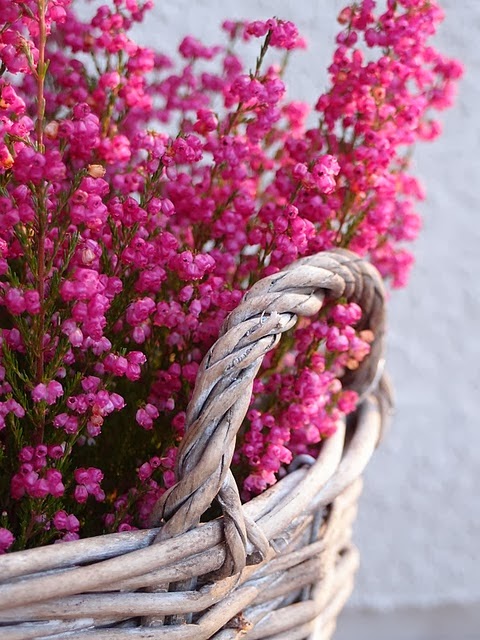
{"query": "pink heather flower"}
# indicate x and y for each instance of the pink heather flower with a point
(90, 384)
(145, 471)
(191, 267)
(10, 406)
(76, 337)
(118, 365)
(39, 392)
(324, 171)
(346, 314)
(151, 238)
(29, 165)
(80, 493)
(18, 482)
(300, 171)
(32, 302)
(54, 391)
(146, 416)
(66, 522)
(55, 451)
(47, 392)
(68, 537)
(321, 176)
(139, 311)
(348, 401)
(40, 488)
(88, 484)
(169, 479)
(6, 539)
(129, 366)
(35, 455)
(285, 36)
(66, 422)
(116, 149)
(336, 341)
(85, 285)
(117, 401)
(192, 48)
(15, 301)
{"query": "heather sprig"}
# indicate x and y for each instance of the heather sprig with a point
(140, 197)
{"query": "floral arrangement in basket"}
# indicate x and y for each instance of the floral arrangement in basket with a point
(141, 197)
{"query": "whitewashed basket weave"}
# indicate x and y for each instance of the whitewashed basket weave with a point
(279, 567)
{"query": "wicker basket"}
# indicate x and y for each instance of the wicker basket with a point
(279, 567)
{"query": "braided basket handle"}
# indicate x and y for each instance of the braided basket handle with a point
(223, 388)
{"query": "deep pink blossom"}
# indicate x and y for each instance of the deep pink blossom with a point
(88, 483)
(47, 392)
(159, 192)
(146, 416)
(6, 539)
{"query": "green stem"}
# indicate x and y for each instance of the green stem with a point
(263, 51)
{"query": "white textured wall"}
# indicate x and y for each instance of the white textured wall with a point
(419, 527)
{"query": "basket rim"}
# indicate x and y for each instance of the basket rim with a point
(43, 573)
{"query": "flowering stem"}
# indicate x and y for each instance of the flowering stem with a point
(233, 117)
(41, 216)
(263, 52)
(42, 37)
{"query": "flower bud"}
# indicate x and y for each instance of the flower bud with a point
(96, 170)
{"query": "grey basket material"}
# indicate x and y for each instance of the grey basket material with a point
(280, 566)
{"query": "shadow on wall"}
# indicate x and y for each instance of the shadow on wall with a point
(439, 623)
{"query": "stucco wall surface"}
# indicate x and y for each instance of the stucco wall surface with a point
(419, 524)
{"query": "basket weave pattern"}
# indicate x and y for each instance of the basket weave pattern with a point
(279, 567)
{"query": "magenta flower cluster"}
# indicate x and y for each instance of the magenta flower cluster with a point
(141, 197)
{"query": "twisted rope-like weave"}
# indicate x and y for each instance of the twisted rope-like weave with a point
(121, 587)
(224, 385)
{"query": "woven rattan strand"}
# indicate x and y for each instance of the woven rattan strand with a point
(279, 567)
